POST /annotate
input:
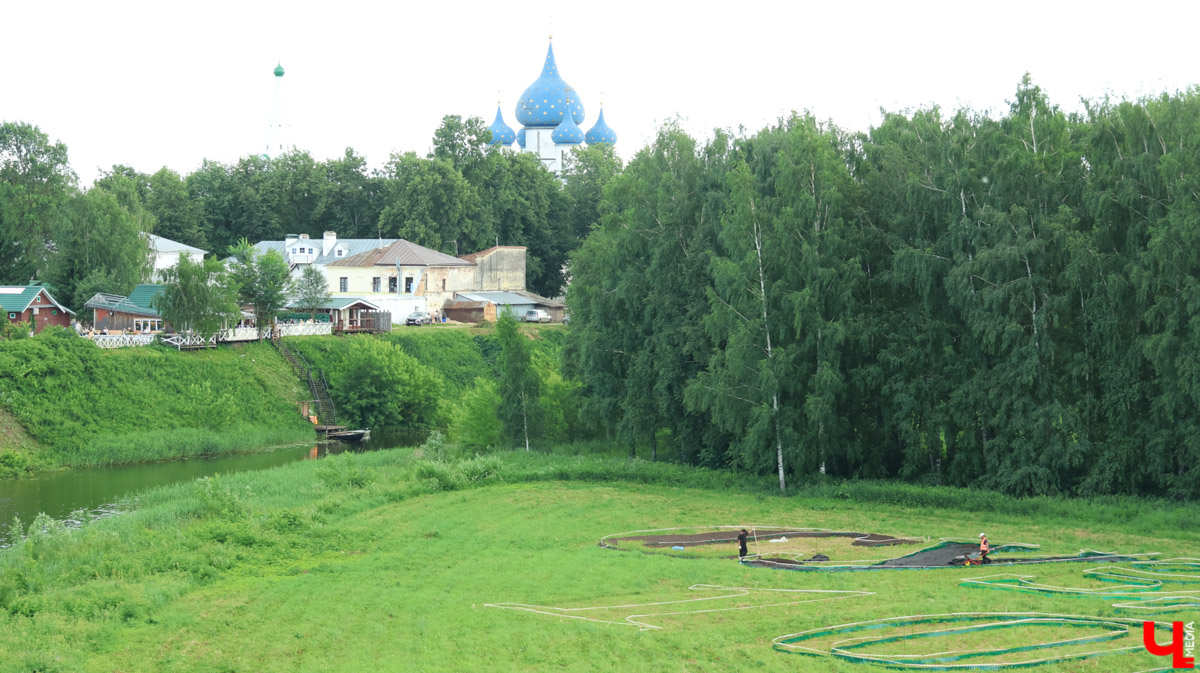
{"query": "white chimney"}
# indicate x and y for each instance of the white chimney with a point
(329, 242)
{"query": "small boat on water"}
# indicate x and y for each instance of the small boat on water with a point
(350, 435)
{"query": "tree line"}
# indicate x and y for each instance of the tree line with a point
(464, 196)
(1008, 302)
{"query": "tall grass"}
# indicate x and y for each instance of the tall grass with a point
(180, 443)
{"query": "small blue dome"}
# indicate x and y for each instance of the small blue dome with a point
(601, 133)
(567, 133)
(521, 137)
(545, 103)
(501, 133)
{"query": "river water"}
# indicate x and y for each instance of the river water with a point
(99, 489)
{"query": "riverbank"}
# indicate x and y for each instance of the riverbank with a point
(386, 561)
(64, 402)
(72, 404)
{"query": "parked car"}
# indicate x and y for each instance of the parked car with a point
(418, 318)
(536, 315)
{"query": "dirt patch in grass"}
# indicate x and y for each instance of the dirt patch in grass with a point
(12, 434)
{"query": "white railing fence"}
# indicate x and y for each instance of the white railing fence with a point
(182, 341)
(233, 334)
(239, 334)
(122, 340)
(306, 329)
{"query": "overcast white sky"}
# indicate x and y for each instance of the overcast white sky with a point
(166, 83)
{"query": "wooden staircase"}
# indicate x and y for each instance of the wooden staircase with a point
(315, 378)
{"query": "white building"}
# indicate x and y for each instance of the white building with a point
(299, 250)
(550, 112)
(397, 275)
(167, 253)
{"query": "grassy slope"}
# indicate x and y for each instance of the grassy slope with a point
(63, 400)
(368, 563)
(12, 435)
(84, 405)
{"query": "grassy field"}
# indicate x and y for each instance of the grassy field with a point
(387, 562)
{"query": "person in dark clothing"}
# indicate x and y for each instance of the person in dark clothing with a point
(742, 551)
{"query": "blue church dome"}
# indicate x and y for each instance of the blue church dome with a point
(521, 137)
(567, 132)
(601, 133)
(545, 103)
(501, 133)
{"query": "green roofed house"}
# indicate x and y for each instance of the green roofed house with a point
(133, 313)
(347, 314)
(33, 303)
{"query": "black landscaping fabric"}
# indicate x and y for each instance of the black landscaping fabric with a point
(719, 537)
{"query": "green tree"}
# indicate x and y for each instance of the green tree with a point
(311, 290)
(476, 425)
(179, 218)
(352, 198)
(262, 280)
(639, 288)
(296, 192)
(462, 143)
(585, 174)
(35, 182)
(198, 296)
(120, 173)
(520, 388)
(428, 202)
(379, 386)
(212, 189)
(100, 246)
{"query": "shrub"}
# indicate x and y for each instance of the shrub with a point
(476, 427)
(380, 386)
(441, 476)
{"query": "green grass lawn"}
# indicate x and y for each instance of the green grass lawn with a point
(382, 562)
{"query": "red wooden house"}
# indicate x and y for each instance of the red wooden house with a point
(32, 303)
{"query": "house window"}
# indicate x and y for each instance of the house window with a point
(37, 299)
(343, 283)
(408, 284)
(443, 285)
(12, 316)
(375, 284)
(53, 311)
(341, 252)
(392, 285)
